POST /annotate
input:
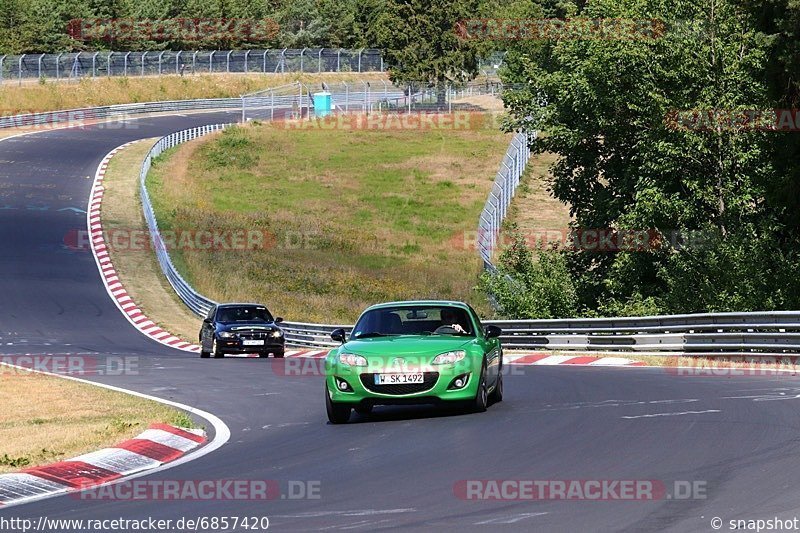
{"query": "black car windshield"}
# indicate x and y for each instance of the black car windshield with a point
(243, 313)
(422, 320)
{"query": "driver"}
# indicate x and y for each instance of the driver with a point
(450, 319)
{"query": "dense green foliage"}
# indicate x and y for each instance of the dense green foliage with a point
(622, 166)
(30, 26)
(525, 286)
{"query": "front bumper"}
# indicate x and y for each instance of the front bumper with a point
(435, 389)
(236, 346)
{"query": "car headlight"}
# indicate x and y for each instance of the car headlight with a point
(448, 358)
(277, 333)
(352, 359)
(227, 334)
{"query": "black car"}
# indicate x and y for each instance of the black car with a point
(241, 328)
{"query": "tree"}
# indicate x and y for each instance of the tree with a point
(528, 286)
(421, 43)
(624, 165)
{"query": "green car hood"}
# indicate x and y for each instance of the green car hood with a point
(401, 345)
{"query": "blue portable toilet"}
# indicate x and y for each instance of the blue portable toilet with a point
(322, 104)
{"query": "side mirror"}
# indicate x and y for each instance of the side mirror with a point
(492, 331)
(278, 319)
(338, 335)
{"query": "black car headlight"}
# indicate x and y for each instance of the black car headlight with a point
(227, 335)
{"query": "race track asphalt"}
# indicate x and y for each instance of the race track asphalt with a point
(736, 437)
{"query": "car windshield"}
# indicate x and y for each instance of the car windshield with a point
(417, 320)
(243, 313)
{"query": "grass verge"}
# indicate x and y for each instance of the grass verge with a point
(349, 218)
(46, 419)
(88, 92)
(134, 260)
(534, 210)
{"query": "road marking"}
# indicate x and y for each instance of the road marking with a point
(673, 414)
(513, 519)
(358, 512)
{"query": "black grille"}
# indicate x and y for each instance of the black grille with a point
(254, 335)
(428, 381)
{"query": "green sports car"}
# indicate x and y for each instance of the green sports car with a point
(419, 352)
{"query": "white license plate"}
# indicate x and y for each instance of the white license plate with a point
(398, 379)
(248, 342)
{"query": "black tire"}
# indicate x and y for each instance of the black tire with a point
(363, 410)
(204, 355)
(481, 400)
(215, 350)
(497, 394)
(338, 413)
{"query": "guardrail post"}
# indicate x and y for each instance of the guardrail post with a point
(246, 57)
(301, 59)
(339, 60)
(125, 64)
(40, 66)
(211, 61)
(319, 61)
(19, 68)
(160, 56)
(94, 64)
(108, 63)
(2, 58)
(178, 62)
(58, 70)
(264, 69)
(359, 60)
(144, 55)
(194, 62)
(283, 61)
(228, 62)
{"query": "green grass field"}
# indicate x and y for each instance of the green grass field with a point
(355, 217)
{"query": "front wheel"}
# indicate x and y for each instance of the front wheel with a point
(338, 413)
(215, 350)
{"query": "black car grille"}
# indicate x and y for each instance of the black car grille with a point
(428, 381)
(254, 335)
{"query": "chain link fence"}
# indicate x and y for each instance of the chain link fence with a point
(70, 66)
(505, 186)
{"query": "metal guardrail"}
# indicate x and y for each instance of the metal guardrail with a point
(198, 303)
(79, 116)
